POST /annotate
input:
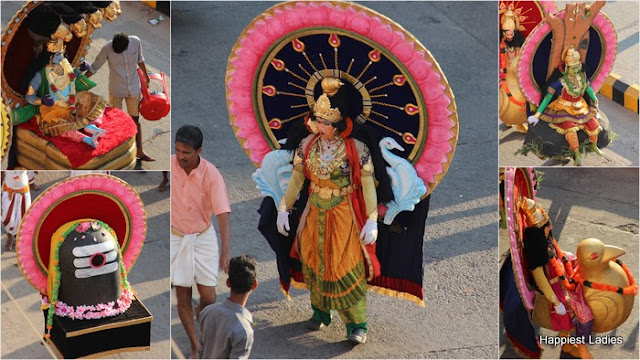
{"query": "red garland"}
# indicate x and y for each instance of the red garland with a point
(575, 277)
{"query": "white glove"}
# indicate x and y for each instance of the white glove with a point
(369, 232)
(532, 120)
(283, 223)
(560, 309)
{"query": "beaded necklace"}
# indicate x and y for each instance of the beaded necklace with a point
(571, 82)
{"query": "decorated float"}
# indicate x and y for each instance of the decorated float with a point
(563, 63)
(543, 285)
(76, 245)
(517, 19)
(53, 119)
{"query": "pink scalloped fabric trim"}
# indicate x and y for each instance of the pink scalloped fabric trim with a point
(527, 295)
(89, 312)
(261, 34)
(536, 36)
(106, 183)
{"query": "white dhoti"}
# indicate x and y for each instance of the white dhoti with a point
(194, 257)
(16, 199)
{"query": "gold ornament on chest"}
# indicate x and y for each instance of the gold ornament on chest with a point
(326, 156)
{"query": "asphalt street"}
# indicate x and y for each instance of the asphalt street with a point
(623, 151)
(583, 203)
(22, 321)
(156, 48)
(460, 248)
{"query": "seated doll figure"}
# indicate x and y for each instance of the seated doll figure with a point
(566, 108)
(63, 111)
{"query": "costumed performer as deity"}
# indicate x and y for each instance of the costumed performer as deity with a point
(16, 200)
(339, 223)
(570, 104)
(198, 191)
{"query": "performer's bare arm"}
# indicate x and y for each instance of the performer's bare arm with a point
(293, 189)
(369, 191)
(225, 237)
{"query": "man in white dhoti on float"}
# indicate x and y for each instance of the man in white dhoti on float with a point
(16, 199)
(198, 191)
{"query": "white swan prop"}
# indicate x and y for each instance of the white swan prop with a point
(273, 176)
(407, 187)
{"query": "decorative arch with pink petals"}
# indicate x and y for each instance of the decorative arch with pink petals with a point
(282, 19)
(605, 29)
(527, 295)
(112, 186)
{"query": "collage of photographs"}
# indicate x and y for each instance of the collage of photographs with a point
(320, 179)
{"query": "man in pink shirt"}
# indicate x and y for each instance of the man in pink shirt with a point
(197, 192)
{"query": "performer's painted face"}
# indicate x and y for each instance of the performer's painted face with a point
(325, 128)
(187, 156)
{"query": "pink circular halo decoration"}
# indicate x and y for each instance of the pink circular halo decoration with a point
(282, 19)
(106, 185)
(609, 42)
(510, 174)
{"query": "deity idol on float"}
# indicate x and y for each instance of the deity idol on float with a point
(587, 293)
(561, 69)
(46, 93)
(76, 245)
(517, 19)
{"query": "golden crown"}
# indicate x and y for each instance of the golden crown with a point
(322, 107)
(509, 21)
(535, 214)
(571, 56)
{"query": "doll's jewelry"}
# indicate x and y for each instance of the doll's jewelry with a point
(373, 215)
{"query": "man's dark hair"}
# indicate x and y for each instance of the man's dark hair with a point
(190, 135)
(120, 42)
(242, 273)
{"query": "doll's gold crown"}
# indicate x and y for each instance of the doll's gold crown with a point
(322, 107)
(508, 21)
(571, 56)
(536, 216)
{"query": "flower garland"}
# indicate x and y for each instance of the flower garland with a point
(581, 83)
(99, 311)
(83, 311)
(570, 277)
